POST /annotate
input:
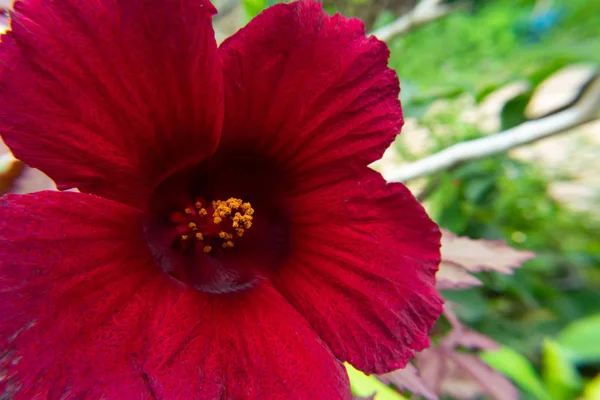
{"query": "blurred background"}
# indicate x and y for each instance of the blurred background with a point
(472, 69)
(475, 69)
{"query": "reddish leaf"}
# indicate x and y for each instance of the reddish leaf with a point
(409, 379)
(431, 364)
(451, 276)
(491, 381)
(481, 255)
(458, 384)
(462, 375)
(461, 335)
(475, 340)
(451, 316)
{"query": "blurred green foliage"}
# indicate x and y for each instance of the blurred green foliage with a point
(504, 198)
(363, 385)
(251, 8)
(560, 379)
(484, 47)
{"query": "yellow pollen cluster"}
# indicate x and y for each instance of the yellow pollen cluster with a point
(225, 235)
(232, 210)
(233, 207)
(201, 210)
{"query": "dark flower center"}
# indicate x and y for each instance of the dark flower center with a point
(221, 226)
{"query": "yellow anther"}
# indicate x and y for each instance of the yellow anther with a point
(234, 203)
(227, 244)
(233, 214)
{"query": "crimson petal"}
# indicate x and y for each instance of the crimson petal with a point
(311, 91)
(363, 271)
(75, 273)
(85, 312)
(110, 97)
(250, 345)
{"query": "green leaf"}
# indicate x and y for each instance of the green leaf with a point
(253, 7)
(363, 385)
(513, 112)
(580, 340)
(561, 378)
(517, 368)
(476, 190)
(592, 389)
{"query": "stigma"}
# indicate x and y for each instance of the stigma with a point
(214, 226)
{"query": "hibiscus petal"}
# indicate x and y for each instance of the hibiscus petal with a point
(110, 96)
(250, 345)
(86, 313)
(362, 271)
(311, 91)
(76, 278)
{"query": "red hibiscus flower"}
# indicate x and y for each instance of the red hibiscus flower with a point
(229, 240)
